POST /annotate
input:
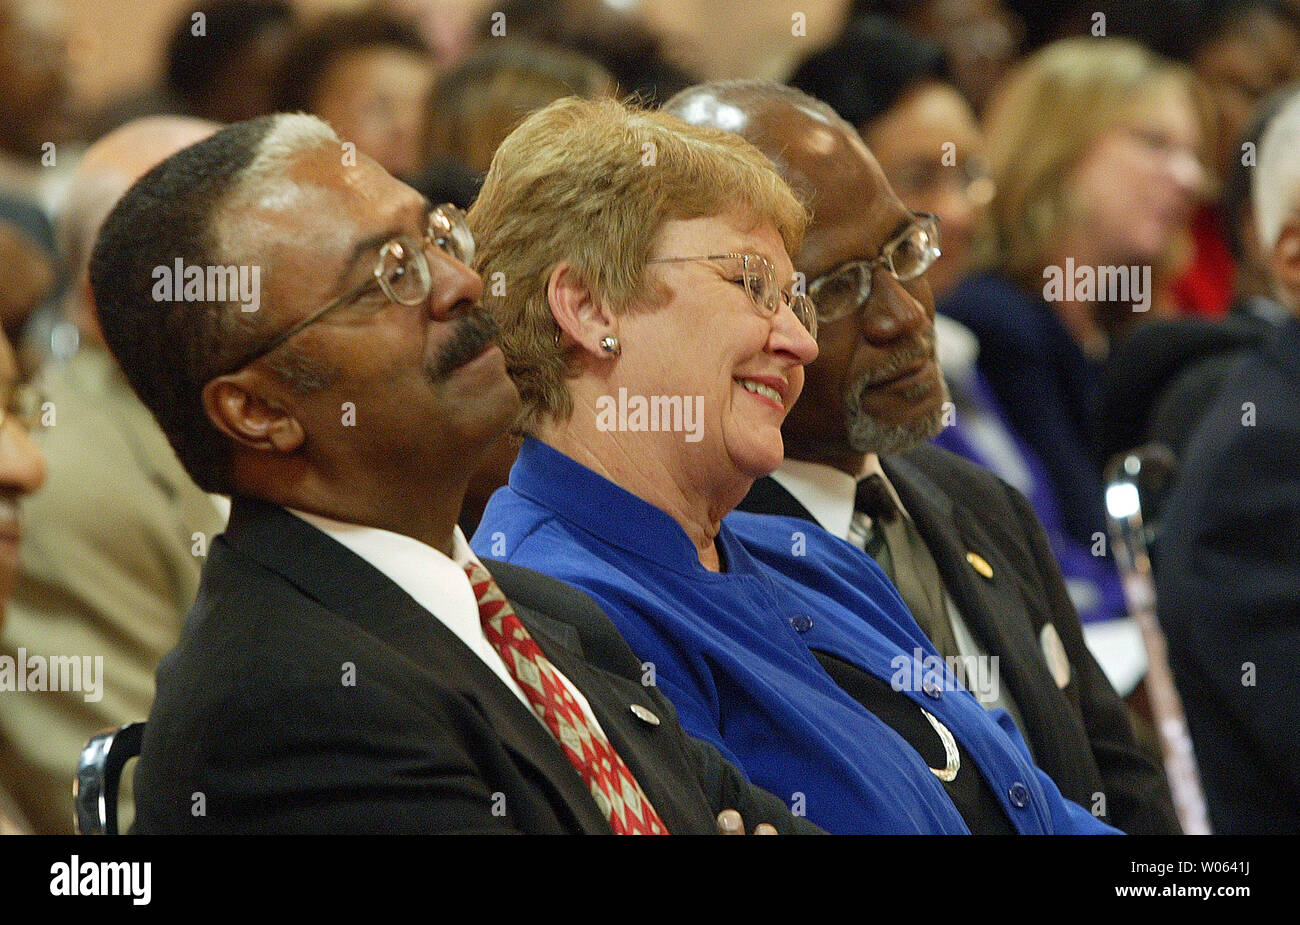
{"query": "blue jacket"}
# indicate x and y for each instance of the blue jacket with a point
(734, 650)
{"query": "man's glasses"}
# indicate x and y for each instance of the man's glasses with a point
(759, 279)
(847, 288)
(402, 271)
(24, 403)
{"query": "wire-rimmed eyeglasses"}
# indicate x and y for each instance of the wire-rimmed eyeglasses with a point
(401, 272)
(905, 257)
(759, 278)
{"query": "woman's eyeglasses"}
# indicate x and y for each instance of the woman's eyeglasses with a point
(759, 279)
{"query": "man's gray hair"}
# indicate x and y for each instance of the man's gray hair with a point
(263, 181)
(290, 135)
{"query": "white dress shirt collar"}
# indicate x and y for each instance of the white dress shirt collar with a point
(439, 585)
(828, 493)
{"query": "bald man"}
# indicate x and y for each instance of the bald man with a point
(112, 548)
(963, 547)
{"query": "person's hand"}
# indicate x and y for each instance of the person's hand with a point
(730, 823)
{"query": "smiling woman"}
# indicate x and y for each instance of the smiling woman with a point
(640, 266)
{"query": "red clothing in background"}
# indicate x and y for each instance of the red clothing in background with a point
(1205, 289)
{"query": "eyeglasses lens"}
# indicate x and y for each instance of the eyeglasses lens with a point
(403, 272)
(448, 230)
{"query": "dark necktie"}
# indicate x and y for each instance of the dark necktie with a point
(872, 499)
(901, 552)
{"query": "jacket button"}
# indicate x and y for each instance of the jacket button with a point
(1019, 794)
(932, 689)
(801, 623)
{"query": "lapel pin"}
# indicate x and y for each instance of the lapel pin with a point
(1054, 651)
(644, 715)
(980, 564)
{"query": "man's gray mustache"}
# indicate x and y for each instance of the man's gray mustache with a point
(902, 360)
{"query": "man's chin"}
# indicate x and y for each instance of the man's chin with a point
(885, 434)
(482, 426)
(869, 436)
(501, 397)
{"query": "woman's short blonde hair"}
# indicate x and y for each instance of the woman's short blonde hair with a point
(591, 182)
(1041, 124)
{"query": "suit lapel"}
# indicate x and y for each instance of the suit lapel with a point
(950, 532)
(658, 766)
(344, 583)
(950, 535)
(519, 729)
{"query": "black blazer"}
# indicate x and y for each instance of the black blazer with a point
(1080, 735)
(310, 694)
(1228, 591)
(1146, 391)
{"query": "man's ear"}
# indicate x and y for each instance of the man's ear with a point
(238, 406)
(583, 319)
(1284, 261)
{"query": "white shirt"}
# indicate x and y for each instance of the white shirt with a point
(438, 584)
(830, 494)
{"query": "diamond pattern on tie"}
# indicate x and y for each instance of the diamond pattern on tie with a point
(608, 778)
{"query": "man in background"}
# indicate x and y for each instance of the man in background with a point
(113, 549)
(1227, 574)
(963, 548)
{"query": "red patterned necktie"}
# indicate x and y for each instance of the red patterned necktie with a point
(612, 785)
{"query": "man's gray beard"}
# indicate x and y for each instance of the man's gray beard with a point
(867, 435)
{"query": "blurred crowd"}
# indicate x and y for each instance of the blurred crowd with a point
(1100, 275)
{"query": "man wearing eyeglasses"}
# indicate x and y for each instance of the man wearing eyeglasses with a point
(963, 548)
(349, 665)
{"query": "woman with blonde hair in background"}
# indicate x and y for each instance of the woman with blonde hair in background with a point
(1093, 149)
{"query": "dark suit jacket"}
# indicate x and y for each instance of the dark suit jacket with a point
(1228, 591)
(309, 693)
(1159, 380)
(1080, 735)
(1046, 386)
